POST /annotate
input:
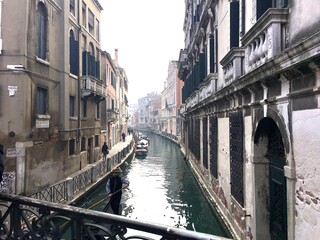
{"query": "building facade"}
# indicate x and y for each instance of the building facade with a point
(251, 116)
(51, 90)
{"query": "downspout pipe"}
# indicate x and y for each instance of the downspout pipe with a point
(0, 26)
(79, 76)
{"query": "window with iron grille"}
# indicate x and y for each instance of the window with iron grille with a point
(72, 147)
(91, 22)
(197, 139)
(42, 31)
(214, 146)
(236, 156)
(205, 141)
(42, 100)
(72, 106)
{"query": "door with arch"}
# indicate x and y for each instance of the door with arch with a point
(277, 185)
(270, 182)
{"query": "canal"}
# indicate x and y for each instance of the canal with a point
(163, 190)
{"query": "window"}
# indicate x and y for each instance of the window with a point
(98, 110)
(72, 7)
(84, 108)
(234, 24)
(72, 146)
(42, 16)
(83, 144)
(96, 140)
(71, 106)
(91, 22)
(84, 15)
(73, 54)
(97, 30)
(42, 100)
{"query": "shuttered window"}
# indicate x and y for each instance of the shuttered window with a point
(73, 54)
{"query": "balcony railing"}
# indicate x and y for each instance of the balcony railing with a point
(265, 39)
(207, 88)
(93, 87)
(232, 65)
(27, 218)
(112, 115)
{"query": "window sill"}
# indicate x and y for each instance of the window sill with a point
(40, 60)
(73, 118)
(73, 76)
(43, 116)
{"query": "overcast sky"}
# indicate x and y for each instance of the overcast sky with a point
(148, 34)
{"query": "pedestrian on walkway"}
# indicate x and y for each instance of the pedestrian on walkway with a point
(114, 187)
(105, 150)
(123, 136)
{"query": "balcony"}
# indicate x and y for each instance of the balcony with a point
(265, 39)
(91, 87)
(232, 65)
(112, 114)
(206, 89)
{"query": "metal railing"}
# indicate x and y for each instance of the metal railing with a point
(28, 218)
(65, 190)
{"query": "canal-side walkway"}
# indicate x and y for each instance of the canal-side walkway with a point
(73, 187)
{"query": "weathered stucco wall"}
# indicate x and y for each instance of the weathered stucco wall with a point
(306, 138)
(223, 159)
(301, 22)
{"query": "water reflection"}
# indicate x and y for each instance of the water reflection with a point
(163, 190)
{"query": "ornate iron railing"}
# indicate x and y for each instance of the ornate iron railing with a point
(28, 218)
(65, 190)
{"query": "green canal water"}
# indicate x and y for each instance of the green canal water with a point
(163, 190)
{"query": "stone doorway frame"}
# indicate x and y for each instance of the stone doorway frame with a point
(261, 213)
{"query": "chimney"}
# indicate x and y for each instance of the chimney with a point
(116, 56)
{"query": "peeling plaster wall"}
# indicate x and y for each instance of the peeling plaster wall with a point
(248, 177)
(224, 157)
(306, 138)
(301, 22)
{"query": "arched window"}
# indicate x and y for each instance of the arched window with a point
(42, 20)
(73, 54)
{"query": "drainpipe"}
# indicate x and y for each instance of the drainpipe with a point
(79, 76)
(0, 26)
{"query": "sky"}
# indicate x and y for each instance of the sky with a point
(148, 34)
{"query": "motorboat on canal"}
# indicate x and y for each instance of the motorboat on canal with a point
(142, 146)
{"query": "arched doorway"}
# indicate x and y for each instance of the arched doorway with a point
(270, 182)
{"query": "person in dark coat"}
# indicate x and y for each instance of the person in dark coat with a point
(123, 136)
(114, 187)
(105, 150)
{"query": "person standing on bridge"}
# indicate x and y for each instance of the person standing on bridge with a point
(114, 187)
